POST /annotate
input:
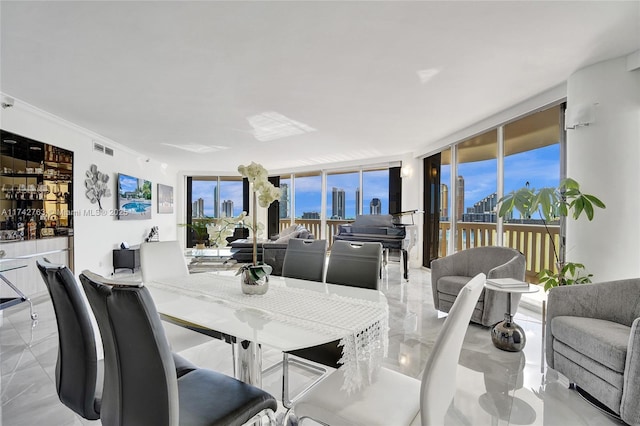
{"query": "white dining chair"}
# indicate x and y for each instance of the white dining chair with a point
(396, 399)
(162, 259)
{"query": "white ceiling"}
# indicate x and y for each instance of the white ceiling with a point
(153, 74)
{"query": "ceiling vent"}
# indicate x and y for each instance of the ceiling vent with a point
(104, 149)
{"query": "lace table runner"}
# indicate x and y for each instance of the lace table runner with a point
(363, 323)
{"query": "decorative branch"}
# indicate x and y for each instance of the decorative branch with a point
(97, 185)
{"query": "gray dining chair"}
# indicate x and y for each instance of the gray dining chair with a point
(79, 372)
(304, 259)
(395, 398)
(140, 387)
(355, 263)
(352, 264)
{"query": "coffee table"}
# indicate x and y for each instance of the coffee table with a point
(202, 260)
(507, 335)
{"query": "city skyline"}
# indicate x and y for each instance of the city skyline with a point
(539, 167)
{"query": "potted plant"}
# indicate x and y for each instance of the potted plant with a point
(551, 204)
(199, 228)
(255, 277)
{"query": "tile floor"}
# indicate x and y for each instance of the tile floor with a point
(493, 387)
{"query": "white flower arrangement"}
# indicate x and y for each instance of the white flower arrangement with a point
(264, 193)
(221, 228)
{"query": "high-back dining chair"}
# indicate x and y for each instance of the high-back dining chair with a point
(305, 259)
(395, 398)
(350, 264)
(79, 377)
(77, 374)
(162, 259)
(140, 387)
(355, 263)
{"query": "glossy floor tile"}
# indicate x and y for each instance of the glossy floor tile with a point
(493, 387)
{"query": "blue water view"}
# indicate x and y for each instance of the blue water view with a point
(137, 206)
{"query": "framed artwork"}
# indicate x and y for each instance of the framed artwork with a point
(165, 198)
(134, 198)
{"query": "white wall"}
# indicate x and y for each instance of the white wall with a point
(412, 199)
(96, 236)
(604, 158)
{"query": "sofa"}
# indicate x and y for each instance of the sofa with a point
(593, 338)
(449, 274)
(270, 251)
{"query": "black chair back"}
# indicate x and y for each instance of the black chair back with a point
(140, 384)
(77, 364)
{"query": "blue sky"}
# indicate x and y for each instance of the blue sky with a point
(127, 183)
(308, 197)
(540, 167)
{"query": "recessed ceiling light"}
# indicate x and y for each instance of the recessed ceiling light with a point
(197, 148)
(427, 74)
(35, 148)
(10, 141)
(271, 125)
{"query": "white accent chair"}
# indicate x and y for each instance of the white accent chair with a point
(395, 398)
(162, 259)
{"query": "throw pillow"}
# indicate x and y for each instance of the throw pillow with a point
(288, 230)
(285, 239)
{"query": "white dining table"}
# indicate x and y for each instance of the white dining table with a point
(293, 314)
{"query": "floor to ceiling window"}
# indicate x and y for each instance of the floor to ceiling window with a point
(375, 191)
(476, 191)
(347, 194)
(445, 201)
(531, 155)
(343, 195)
(212, 197)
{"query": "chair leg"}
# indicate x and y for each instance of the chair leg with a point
(285, 380)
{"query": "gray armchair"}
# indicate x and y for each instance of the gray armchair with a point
(593, 338)
(449, 274)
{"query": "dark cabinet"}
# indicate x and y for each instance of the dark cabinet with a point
(36, 181)
(126, 258)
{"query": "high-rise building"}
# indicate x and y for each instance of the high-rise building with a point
(444, 202)
(358, 205)
(227, 208)
(484, 210)
(284, 200)
(375, 206)
(197, 208)
(311, 215)
(216, 202)
(459, 197)
(338, 203)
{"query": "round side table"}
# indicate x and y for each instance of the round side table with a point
(507, 335)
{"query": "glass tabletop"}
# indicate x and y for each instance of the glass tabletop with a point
(7, 265)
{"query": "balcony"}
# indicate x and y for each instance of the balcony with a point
(315, 226)
(532, 240)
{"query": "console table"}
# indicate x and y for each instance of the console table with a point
(126, 259)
